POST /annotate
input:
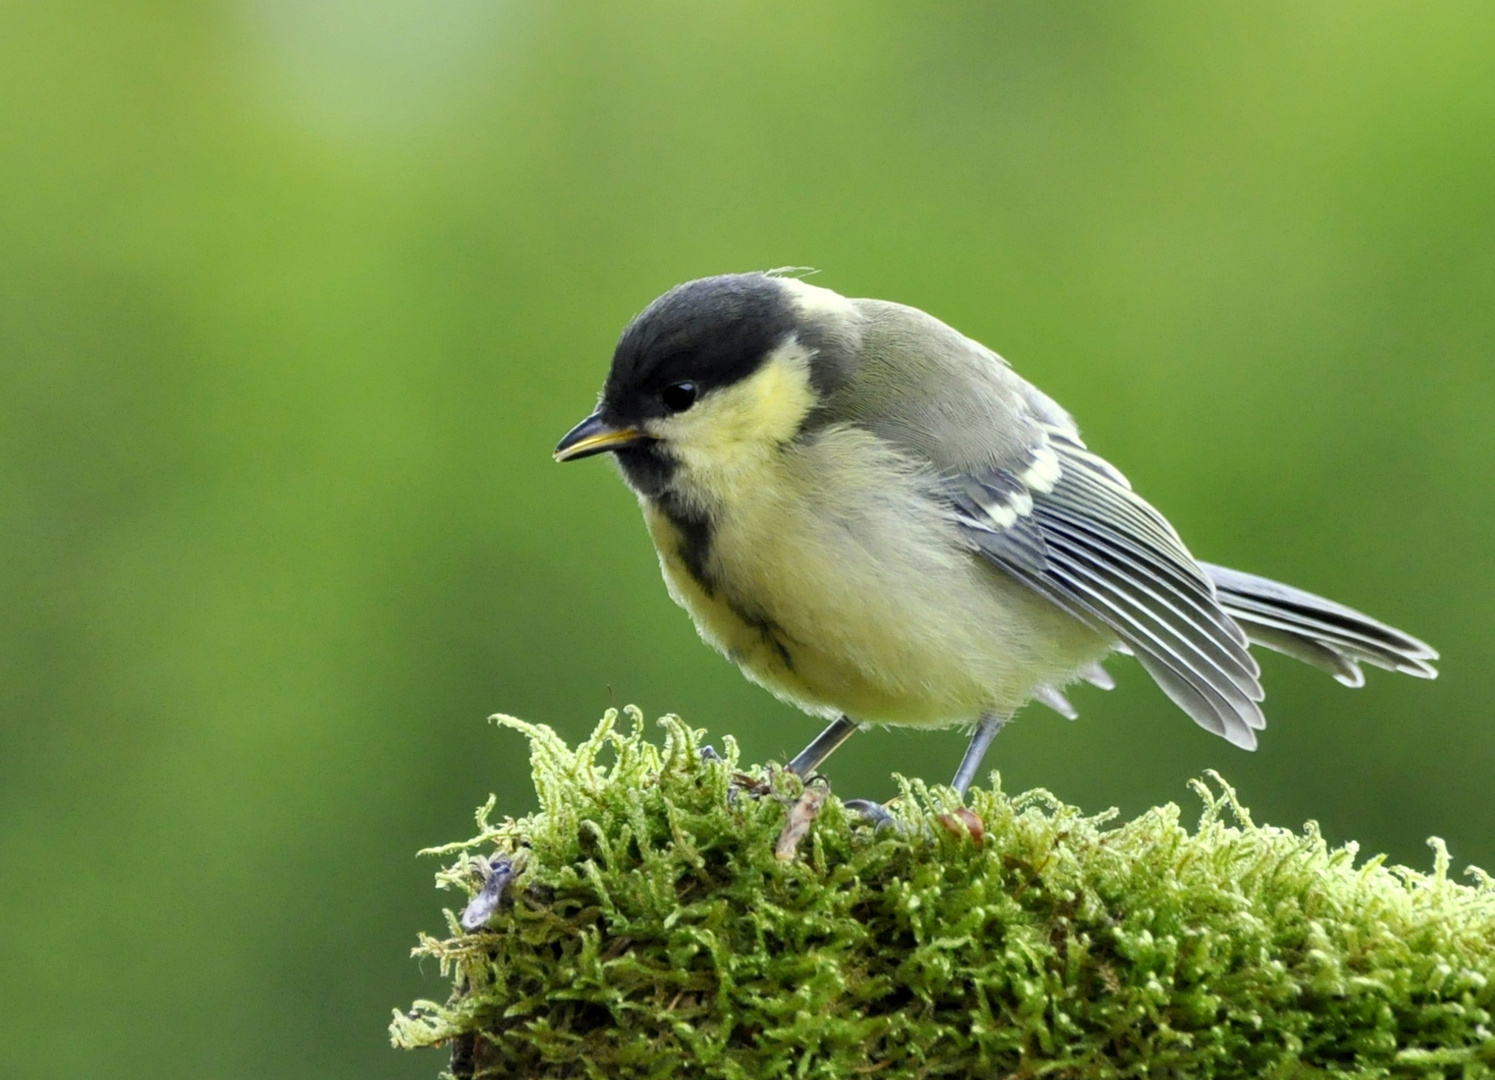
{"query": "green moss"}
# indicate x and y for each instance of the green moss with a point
(652, 932)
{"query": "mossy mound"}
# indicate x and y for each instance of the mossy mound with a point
(652, 932)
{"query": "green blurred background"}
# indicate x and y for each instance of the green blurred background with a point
(295, 299)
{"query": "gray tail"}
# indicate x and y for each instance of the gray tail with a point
(1317, 631)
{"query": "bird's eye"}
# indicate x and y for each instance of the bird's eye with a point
(679, 397)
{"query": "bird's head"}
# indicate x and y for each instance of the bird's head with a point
(714, 374)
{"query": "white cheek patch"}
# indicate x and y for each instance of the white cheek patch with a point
(813, 300)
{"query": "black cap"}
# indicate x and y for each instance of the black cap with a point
(711, 332)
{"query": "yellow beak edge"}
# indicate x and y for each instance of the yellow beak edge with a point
(594, 436)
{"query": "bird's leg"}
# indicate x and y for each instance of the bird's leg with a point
(810, 758)
(807, 760)
(986, 730)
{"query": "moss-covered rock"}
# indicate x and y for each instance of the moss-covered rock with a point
(651, 930)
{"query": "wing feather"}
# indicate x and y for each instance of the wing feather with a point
(1160, 641)
(1306, 626)
(1172, 609)
(1078, 535)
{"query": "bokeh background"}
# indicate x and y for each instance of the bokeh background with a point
(296, 297)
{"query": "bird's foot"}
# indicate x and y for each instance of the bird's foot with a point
(875, 814)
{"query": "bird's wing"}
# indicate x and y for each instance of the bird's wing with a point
(1028, 496)
(1066, 523)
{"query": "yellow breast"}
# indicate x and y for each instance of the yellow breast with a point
(858, 599)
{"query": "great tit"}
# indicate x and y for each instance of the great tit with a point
(878, 520)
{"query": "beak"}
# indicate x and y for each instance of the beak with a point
(594, 436)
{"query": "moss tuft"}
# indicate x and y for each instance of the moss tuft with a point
(651, 931)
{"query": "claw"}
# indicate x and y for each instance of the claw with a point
(873, 813)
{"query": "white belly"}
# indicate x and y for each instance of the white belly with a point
(860, 600)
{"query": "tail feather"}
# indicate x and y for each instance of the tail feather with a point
(1317, 631)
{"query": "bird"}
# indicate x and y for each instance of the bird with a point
(879, 521)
